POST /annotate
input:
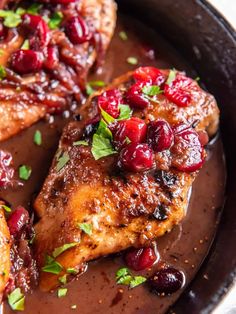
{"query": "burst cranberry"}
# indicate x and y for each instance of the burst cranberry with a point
(140, 259)
(17, 221)
(160, 135)
(133, 130)
(77, 30)
(179, 91)
(52, 58)
(109, 101)
(135, 96)
(188, 153)
(6, 171)
(136, 157)
(149, 74)
(38, 31)
(26, 61)
(167, 281)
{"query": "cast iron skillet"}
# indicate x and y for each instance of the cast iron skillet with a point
(202, 36)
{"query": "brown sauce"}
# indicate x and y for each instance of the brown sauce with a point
(184, 247)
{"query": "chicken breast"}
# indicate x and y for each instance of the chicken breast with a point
(122, 208)
(26, 98)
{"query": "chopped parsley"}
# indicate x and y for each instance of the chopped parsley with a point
(125, 112)
(197, 79)
(124, 277)
(52, 267)
(132, 60)
(136, 281)
(16, 300)
(89, 89)
(3, 72)
(123, 35)
(34, 8)
(171, 77)
(62, 160)
(152, 90)
(38, 138)
(25, 172)
(78, 143)
(62, 292)
(97, 83)
(59, 250)
(55, 20)
(26, 45)
(63, 279)
(106, 117)
(72, 271)
(11, 18)
(86, 228)
(6, 208)
(101, 146)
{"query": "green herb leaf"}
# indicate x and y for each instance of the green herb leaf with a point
(123, 35)
(106, 117)
(136, 281)
(152, 90)
(72, 271)
(122, 272)
(59, 250)
(73, 307)
(6, 208)
(3, 72)
(16, 300)
(55, 20)
(11, 19)
(171, 77)
(97, 83)
(49, 259)
(78, 143)
(127, 140)
(89, 90)
(62, 161)
(63, 279)
(103, 130)
(25, 172)
(53, 268)
(86, 228)
(34, 8)
(101, 147)
(132, 60)
(26, 45)
(38, 138)
(125, 112)
(20, 11)
(197, 79)
(126, 280)
(62, 292)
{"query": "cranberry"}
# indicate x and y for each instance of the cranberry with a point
(140, 259)
(132, 130)
(6, 172)
(179, 91)
(188, 153)
(135, 96)
(166, 280)
(38, 31)
(77, 30)
(149, 74)
(52, 58)
(109, 101)
(26, 61)
(136, 157)
(17, 221)
(160, 135)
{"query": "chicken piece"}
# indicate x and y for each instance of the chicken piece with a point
(27, 98)
(5, 263)
(124, 209)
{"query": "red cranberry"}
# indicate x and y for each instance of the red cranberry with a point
(18, 220)
(26, 61)
(52, 58)
(109, 101)
(140, 259)
(160, 135)
(77, 30)
(135, 96)
(136, 157)
(38, 31)
(133, 130)
(188, 153)
(149, 74)
(6, 172)
(179, 91)
(167, 281)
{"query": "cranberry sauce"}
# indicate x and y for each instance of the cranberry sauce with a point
(177, 255)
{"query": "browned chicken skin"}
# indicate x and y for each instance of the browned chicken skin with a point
(121, 207)
(26, 99)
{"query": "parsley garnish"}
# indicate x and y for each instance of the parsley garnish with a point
(34, 8)
(132, 60)
(72, 271)
(136, 281)
(124, 277)
(26, 45)
(197, 79)
(171, 77)
(86, 228)
(89, 90)
(125, 112)
(16, 300)
(59, 250)
(101, 146)
(78, 143)
(3, 72)
(106, 117)
(6, 208)
(11, 18)
(38, 138)
(25, 172)
(97, 83)
(62, 292)
(52, 267)
(123, 35)
(55, 20)
(152, 90)
(62, 160)
(63, 279)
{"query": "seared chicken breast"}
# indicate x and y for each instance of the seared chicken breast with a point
(93, 205)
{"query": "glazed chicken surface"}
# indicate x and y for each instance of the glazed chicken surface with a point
(124, 170)
(44, 66)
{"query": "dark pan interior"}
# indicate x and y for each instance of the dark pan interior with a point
(202, 36)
